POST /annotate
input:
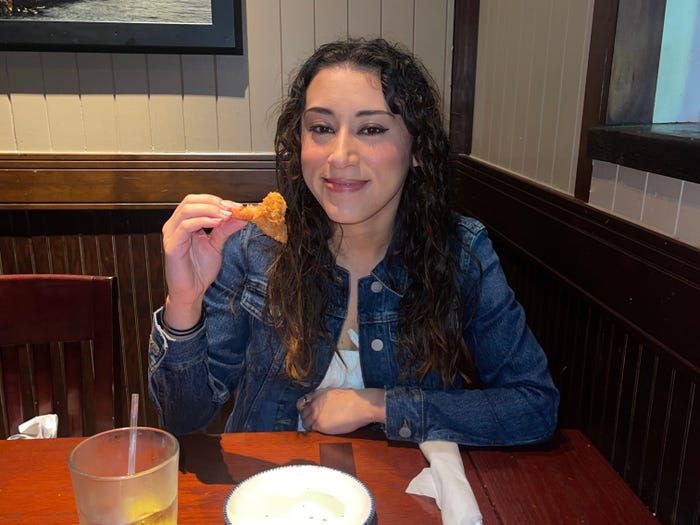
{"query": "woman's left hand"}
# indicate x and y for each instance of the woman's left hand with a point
(340, 410)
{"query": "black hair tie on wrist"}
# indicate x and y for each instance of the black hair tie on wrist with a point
(181, 333)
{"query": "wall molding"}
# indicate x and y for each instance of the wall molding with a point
(92, 181)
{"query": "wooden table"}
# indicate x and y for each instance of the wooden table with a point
(564, 482)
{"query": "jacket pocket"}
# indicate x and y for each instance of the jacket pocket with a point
(253, 299)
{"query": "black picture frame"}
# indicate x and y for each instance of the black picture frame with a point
(223, 36)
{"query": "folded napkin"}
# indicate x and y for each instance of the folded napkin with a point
(38, 427)
(445, 481)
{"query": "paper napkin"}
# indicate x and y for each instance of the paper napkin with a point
(38, 427)
(445, 481)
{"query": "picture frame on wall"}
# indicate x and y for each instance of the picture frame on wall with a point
(118, 26)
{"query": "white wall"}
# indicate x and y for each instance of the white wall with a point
(136, 103)
(530, 79)
(666, 205)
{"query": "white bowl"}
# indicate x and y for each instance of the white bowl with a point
(307, 494)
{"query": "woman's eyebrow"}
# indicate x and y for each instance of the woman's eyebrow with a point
(361, 113)
(317, 109)
(371, 112)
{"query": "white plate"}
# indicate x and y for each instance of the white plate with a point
(306, 494)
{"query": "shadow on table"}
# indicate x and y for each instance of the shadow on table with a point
(203, 456)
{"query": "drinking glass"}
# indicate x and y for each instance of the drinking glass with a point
(106, 493)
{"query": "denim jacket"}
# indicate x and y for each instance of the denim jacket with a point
(235, 352)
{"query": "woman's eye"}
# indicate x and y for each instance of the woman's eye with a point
(320, 128)
(373, 130)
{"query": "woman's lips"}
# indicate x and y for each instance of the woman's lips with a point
(344, 185)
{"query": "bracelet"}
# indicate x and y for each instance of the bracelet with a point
(181, 333)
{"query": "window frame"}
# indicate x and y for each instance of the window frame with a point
(616, 123)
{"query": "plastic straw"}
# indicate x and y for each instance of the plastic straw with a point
(134, 416)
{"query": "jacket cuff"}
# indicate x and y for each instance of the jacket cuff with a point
(176, 351)
(174, 334)
(404, 414)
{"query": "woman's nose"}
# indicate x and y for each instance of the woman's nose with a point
(343, 152)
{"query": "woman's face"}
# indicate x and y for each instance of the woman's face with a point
(355, 153)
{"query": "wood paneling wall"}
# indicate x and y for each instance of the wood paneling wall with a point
(125, 244)
(664, 204)
(615, 308)
(128, 181)
(136, 103)
(530, 80)
(87, 229)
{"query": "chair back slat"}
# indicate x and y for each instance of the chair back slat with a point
(58, 344)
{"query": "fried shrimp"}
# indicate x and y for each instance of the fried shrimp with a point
(268, 216)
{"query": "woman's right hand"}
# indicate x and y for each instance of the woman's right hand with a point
(193, 256)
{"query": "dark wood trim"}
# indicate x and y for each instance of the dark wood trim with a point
(648, 280)
(129, 181)
(615, 308)
(465, 39)
(595, 103)
(640, 25)
(672, 150)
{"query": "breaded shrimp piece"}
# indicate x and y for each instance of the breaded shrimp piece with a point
(268, 216)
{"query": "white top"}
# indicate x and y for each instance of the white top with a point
(345, 373)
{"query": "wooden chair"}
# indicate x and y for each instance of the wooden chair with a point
(59, 339)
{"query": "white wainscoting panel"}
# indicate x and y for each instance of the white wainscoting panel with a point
(141, 103)
(531, 67)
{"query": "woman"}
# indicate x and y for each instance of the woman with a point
(384, 307)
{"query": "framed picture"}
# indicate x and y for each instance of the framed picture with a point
(137, 26)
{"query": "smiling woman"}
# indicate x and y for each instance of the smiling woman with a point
(384, 307)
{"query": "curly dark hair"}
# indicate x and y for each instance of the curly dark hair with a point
(431, 321)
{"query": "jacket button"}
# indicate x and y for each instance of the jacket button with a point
(376, 287)
(377, 345)
(405, 431)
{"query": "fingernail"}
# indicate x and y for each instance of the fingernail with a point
(225, 213)
(230, 204)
